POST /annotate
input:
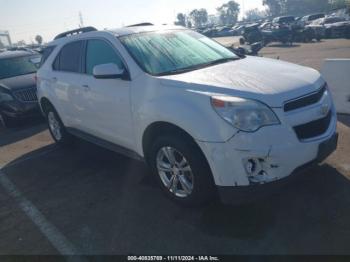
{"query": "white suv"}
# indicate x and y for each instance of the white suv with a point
(204, 119)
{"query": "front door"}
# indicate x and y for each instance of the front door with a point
(107, 101)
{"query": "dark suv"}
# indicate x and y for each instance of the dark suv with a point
(18, 86)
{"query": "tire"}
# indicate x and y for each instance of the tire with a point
(57, 128)
(199, 188)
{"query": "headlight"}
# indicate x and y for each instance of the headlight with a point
(245, 115)
(5, 97)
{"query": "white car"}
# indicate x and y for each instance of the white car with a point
(204, 119)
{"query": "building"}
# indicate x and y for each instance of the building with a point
(5, 40)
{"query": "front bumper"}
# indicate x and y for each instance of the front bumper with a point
(277, 150)
(319, 32)
(240, 195)
(19, 110)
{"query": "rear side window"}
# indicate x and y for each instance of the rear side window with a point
(45, 54)
(99, 52)
(69, 58)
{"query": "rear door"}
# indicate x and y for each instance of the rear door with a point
(67, 81)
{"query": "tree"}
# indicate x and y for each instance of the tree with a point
(181, 19)
(275, 6)
(228, 13)
(303, 7)
(339, 4)
(189, 24)
(255, 14)
(39, 39)
(203, 14)
(296, 7)
(199, 17)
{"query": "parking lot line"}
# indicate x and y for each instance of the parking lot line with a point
(55, 237)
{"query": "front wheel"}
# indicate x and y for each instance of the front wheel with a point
(182, 170)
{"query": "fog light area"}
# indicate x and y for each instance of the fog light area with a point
(257, 170)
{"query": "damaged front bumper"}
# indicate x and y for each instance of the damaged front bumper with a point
(254, 162)
(239, 195)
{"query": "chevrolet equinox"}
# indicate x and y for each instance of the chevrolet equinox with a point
(205, 120)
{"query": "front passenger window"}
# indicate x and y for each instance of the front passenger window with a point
(99, 52)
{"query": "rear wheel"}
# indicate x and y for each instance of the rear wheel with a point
(56, 127)
(181, 170)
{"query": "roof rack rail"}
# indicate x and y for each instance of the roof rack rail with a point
(141, 24)
(76, 32)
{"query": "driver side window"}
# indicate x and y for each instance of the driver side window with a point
(99, 52)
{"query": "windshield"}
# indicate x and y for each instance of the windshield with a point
(318, 22)
(284, 20)
(314, 17)
(332, 20)
(11, 67)
(172, 52)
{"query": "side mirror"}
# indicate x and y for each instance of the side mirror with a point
(108, 71)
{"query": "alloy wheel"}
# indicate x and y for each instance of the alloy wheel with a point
(175, 172)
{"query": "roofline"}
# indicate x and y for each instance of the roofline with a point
(147, 29)
(118, 32)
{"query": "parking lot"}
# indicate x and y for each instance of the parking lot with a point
(88, 200)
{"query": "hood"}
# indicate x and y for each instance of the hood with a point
(18, 82)
(270, 81)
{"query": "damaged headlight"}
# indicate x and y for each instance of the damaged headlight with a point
(243, 114)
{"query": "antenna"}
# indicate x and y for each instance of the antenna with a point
(81, 20)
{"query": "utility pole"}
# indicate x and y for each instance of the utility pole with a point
(81, 20)
(243, 8)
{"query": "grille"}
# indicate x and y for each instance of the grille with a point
(306, 100)
(27, 95)
(314, 128)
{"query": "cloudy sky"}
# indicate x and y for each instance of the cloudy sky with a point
(26, 18)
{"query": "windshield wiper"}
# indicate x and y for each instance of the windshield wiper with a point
(197, 67)
(221, 61)
(179, 71)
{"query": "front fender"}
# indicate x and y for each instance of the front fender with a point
(189, 110)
